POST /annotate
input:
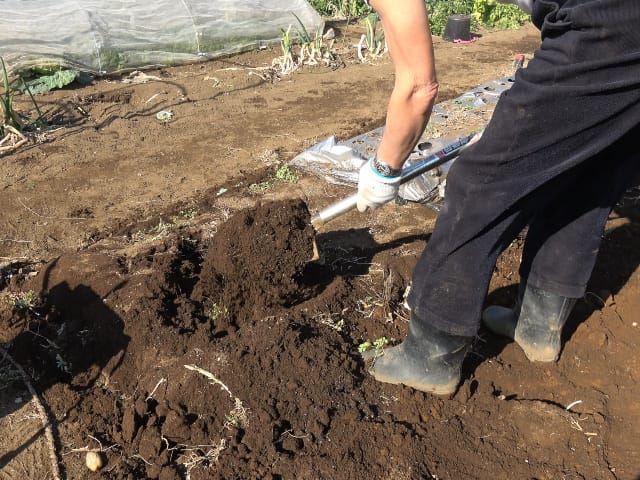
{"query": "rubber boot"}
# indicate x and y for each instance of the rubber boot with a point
(428, 360)
(535, 322)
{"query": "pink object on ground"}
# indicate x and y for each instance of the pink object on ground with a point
(459, 40)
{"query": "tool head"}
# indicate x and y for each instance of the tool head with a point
(316, 252)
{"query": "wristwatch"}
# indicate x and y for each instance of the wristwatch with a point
(384, 168)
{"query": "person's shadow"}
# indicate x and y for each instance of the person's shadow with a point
(70, 338)
(348, 253)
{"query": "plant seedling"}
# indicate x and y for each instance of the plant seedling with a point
(376, 345)
(217, 311)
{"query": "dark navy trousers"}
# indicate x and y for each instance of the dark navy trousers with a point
(562, 146)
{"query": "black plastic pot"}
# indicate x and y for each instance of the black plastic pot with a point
(458, 28)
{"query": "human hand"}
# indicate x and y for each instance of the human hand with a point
(526, 5)
(374, 189)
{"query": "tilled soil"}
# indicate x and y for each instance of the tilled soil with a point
(204, 360)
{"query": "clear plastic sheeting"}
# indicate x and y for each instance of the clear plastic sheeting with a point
(101, 37)
(339, 162)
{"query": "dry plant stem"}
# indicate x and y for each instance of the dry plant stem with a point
(48, 432)
(160, 382)
(11, 136)
(89, 449)
(238, 405)
(210, 376)
(49, 218)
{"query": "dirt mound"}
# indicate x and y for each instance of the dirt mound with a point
(255, 261)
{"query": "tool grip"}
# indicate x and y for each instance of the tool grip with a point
(447, 153)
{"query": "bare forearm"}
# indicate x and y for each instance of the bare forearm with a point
(407, 117)
(406, 27)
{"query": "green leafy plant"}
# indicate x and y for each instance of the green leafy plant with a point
(282, 174)
(341, 8)
(45, 79)
(440, 10)
(377, 345)
(483, 12)
(498, 15)
(487, 13)
(12, 120)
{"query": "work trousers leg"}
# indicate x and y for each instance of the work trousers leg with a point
(563, 239)
(566, 127)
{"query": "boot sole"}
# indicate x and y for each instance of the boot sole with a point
(442, 389)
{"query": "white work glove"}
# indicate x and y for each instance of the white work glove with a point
(526, 5)
(374, 189)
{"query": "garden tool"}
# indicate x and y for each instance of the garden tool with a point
(417, 168)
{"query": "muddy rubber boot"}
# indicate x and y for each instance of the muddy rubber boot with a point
(502, 320)
(535, 323)
(428, 360)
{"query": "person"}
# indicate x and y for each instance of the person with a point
(558, 152)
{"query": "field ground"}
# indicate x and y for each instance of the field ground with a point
(182, 333)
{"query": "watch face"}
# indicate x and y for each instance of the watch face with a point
(384, 169)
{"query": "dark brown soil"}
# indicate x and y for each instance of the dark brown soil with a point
(185, 334)
(255, 261)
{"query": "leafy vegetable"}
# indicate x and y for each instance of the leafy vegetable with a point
(56, 79)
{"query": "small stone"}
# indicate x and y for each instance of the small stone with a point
(94, 461)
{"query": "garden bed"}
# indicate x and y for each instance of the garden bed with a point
(177, 326)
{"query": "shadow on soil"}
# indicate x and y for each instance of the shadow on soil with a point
(69, 339)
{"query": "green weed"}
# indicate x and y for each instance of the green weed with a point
(162, 229)
(189, 214)
(285, 174)
(7, 376)
(27, 301)
(282, 174)
(346, 9)
(217, 311)
(376, 345)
